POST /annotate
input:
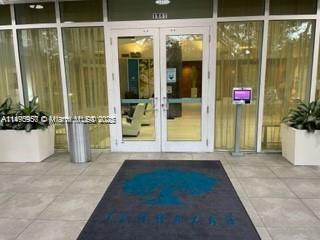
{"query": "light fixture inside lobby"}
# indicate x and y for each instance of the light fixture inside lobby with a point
(162, 2)
(36, 6)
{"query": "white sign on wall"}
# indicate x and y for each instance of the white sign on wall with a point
(171, 75)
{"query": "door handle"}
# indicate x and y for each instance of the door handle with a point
(165, 105)
(154, 102)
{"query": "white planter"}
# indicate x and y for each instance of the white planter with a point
(299, 146)
(21, 146)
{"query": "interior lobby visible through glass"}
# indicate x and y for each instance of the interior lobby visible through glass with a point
(136, 74)
(184, 87)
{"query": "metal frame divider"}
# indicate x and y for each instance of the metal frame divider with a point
(22, 96)
(263, 70)
(66, 105)
(313, 84)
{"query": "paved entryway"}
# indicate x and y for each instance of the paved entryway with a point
(53, 199)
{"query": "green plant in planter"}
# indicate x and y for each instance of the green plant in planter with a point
(306, 116)
(24, 117)
(5, 110)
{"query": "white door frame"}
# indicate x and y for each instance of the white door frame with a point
(159, 45)
(136, 146)
(186, 146)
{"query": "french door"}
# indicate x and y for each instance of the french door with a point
(161, 89)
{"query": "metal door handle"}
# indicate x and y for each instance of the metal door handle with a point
(154, 102)
(165, 105)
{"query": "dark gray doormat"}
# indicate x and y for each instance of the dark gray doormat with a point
(170, 200)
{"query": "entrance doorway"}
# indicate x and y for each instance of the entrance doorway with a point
(161, 77)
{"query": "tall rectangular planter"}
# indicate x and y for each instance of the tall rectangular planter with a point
(300, 147)
(22, 146)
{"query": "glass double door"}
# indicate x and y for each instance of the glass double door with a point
(160, 89)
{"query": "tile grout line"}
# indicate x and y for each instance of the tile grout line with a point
(303, 203)
(310, 209)
(281, 180)
(34, 219)
(24, 229)
(260, 218)
(258, 215)
(53, 200)
(13, 194)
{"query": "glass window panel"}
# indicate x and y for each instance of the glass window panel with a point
(137, 87)
(124, 10)
(5, 16)
(86, 78)
(35, 13)
(184, 87)
(238, 65)
(39, 58)
(287, 7)
(232, 8)
(8, 76)
(289, 62)
(81, 11)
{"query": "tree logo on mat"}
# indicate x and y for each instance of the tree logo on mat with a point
(163, 186)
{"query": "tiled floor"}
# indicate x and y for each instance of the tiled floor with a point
(53, 200)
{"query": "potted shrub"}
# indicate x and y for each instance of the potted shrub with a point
(300, 134)
(25, 136)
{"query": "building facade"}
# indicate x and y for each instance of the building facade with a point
(165, 69)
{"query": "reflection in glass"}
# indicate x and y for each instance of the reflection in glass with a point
(137, 88)
(184, 87)
(290, 7)
(289, 60)
(8, 76)
(29, 13)
(232, 8)
(39, 58)
(5, 16)
(86, 78)
(238, 65)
